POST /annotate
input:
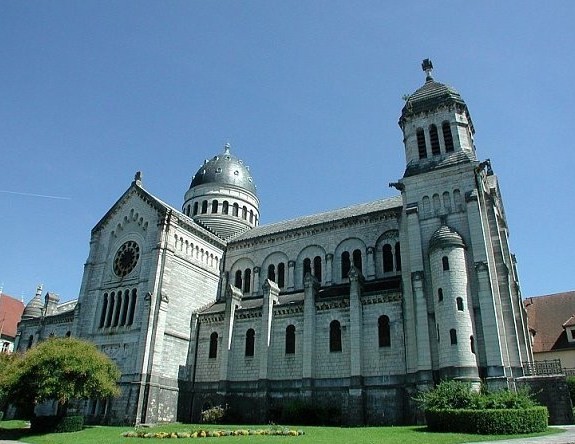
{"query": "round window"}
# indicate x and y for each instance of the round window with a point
(126, 258)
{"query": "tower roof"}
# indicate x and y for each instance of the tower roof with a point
(34, 308)
(430, 96)
(225, 169)
(444, 237)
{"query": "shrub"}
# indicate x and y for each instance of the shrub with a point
(213, 415)
(488, 421)
(571, 387)
(449, 395)
(56, 424)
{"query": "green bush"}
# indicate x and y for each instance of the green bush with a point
(449, 395)
(56, 424)
(213, 415)
(488, 421)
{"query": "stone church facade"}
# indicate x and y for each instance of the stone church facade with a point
(354, 309)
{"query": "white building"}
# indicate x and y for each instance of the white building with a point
(354, 309)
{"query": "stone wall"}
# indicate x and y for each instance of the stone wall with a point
(552, 392)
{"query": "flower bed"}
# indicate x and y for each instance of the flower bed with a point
(213, 433)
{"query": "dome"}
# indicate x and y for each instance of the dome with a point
(445, 237)
(225, 169)
(430, 96)
(35, 307)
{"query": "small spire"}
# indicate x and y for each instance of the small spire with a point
(138, 178)
(427, 66)
(227, 147)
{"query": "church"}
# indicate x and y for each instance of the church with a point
(355, 310)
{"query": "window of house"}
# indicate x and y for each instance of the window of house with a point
(250, 341)
(195, 208)
(397, 257)
(204, 207)
(272, 272)
(213, 353)
(244, 213)
(30, 342)
(459, 302)
(357, 263)
(383, 330)
(387, 259)
(434, 140)
(225, 207)
(445, 263)
(472, 344)
(447, 137)
(235, 209)
(306, 266)
(422, 149)
(214, 206)
(440, 295)
(334, 336)
(290, 340)
(281, 275)
(247, 280)
(453, 336)
(317, 268)
(238, 279)
(345, 264)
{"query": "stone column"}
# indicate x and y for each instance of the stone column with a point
(423, 351)
(311, 286)
(271, 292)
(291, 280)
(256, 282)
(233, 299)
(355, 407)
(328, 269)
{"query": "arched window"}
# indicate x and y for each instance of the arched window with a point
(290, 340)
(125, 303)
(251, 216)
(235, 209)
(439, 295)
(436, 204)
(111, 304)
(445, 263)
(447, 202)
(306, 266)
(357, 259)
(132, 307)
(104, 308)
(244, 212)
(457, 199)
(214, 206)
(69, 333)
(204, 207)
(247, 280)
(238, 279)
(225, 207)
(397, 257)
(250, 341)
(345, 264)
(281, 275)
(472, 344)
(30, 342)
(453, 336)
(387, 259)
(447, 137)
(195, 208)
(383, 331)
(434, 140)
(459, 302)
(422, 149)
(437, 328)
(272, 272)
(426, 206)
(213, 353)
(334, 336)
(317, 268)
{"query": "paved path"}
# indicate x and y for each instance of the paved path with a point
(566, 437)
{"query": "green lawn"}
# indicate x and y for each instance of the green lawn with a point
(315, 435)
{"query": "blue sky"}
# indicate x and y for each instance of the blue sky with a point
(308, 93)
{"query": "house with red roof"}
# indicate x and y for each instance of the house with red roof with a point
(551, 322)
(10, 313)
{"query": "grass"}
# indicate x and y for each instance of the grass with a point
(317, 435)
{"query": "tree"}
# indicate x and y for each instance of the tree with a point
(60, 369)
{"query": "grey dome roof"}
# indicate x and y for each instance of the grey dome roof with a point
(34, 308)
(444, 237)
(225, 169)
(429, 97)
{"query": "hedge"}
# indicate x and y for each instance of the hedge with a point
(57, 424)
(488, 421)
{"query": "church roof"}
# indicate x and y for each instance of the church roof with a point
(321, 218)
(430, 96)
(444, 237)
(547, 317)
(225, 169)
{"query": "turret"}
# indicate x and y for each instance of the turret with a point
(222, 196)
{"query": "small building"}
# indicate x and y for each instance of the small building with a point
(10, 313)
(551, 322)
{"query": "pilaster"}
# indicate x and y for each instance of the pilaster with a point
(291, 267)
(328, 269)
(311, 287)
(271, 292)
(233, 299)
